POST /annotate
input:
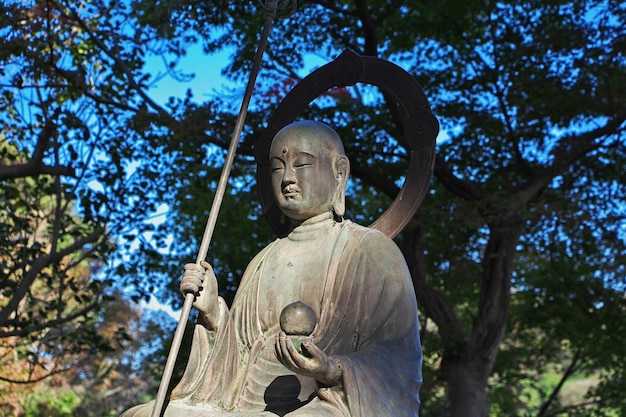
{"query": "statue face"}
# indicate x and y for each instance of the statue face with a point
(303, 174)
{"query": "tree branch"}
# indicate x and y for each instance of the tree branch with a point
(369, 28)
(495, 287)
(332, 6)
(555, 392)
(118, 62)
(38, 379)
(84, 88)
(35, 165)
(37, 266)
(378, 181)
(24, 331)
(454, 184)
(433, 301)
(571, 149)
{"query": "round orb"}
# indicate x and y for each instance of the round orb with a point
(298, 319)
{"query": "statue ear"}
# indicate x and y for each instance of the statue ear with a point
(342, 172)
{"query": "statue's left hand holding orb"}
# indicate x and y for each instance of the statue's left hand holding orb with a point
(311, 362)
(200, 281)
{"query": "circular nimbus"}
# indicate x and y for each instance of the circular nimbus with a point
(419, 126)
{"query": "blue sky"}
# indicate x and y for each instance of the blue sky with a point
(207, 78)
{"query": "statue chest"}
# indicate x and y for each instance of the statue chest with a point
(293, 271)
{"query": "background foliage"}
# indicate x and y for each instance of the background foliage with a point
(517, 254)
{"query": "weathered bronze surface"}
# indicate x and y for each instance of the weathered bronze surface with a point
(298, 319)
(324, 322)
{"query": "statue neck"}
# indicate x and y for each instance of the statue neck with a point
(313, 227)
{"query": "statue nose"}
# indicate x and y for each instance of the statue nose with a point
(289, 176)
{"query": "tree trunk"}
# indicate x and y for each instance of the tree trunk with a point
(468, 360)
(467, 386)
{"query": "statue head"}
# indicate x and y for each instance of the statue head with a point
(309, 171)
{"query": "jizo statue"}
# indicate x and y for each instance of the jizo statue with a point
(324, 322)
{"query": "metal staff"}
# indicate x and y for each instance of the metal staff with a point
(271, 7)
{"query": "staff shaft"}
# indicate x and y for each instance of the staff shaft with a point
(215, 207)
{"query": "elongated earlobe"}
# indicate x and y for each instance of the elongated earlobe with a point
(339, 207)
(342, 174)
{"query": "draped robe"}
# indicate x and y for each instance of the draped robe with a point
(357, 282)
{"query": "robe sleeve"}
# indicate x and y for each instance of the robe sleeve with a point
(216, 357)
(373, 328)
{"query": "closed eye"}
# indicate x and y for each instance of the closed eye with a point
(303, 162)
(276, 165)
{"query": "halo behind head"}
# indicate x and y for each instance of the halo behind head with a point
(419, 126)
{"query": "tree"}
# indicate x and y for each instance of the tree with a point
(67, 192)
(529, 96)
(103, 381)
(523, 221)
(47, 295)
(70, 346)
(81, 172)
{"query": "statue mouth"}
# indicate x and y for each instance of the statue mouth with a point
(290, 192)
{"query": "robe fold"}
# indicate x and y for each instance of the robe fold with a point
(367, 318)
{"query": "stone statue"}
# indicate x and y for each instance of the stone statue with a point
(324, 322)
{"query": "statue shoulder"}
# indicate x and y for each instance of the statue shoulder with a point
(364, 232)
(258, 258)
(368, 239)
